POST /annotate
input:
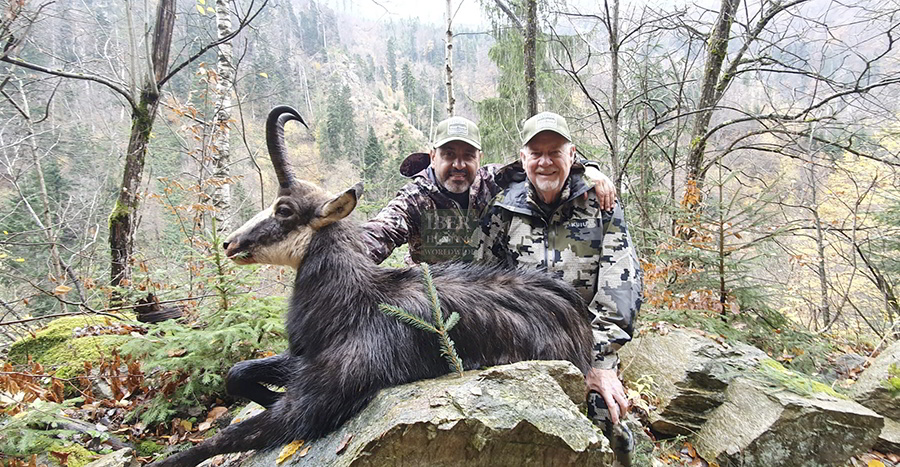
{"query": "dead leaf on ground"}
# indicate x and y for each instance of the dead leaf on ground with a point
(215, 413)
(344, 443)
(288, 451)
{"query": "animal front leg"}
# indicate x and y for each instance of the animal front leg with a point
(243, 380)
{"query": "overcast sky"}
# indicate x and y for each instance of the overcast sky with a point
(428, 11)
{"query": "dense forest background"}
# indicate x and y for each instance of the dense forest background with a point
(755, 146)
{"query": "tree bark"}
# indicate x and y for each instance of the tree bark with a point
(448, 60)
(221, 150)
(612, 27)
(716, 53)
(530, 52)
(122, 220)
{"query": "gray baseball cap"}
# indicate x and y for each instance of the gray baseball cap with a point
(457, 129)
(545, 121)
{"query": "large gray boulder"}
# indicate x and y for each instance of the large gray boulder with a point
(870, 389)
(522, 414)
(690, 373)
(889, 439)
(763, 425)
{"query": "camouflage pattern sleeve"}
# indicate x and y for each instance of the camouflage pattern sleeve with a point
(619, 292)
(395, 224)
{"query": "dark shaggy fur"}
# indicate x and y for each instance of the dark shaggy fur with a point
(343, 350)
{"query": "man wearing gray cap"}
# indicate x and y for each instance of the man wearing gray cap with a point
(443, 204)
(542, 220)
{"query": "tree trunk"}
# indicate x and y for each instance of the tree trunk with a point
(448, 60)
(122, 220)
(716, 53)
(612, 27)
(530, 52)
(221, 150)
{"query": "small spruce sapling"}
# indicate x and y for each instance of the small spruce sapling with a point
(440, 327)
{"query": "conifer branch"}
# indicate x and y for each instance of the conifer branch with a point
(407, 318)
(440, 327)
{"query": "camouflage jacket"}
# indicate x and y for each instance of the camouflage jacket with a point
(579, 243)
(423, 215)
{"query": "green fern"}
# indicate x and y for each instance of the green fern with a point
(440, 327)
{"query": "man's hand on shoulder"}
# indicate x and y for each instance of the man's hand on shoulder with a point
(603, 186)
(607, 384)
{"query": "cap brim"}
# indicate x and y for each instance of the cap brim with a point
(414, 163)
(560, 133)
(457, 138)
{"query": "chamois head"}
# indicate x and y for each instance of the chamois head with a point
(281, 234)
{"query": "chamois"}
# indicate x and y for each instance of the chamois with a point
(342, 349)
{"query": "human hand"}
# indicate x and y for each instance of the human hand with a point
(607, 384)
(603, 187)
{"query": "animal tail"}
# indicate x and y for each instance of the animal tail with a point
(257, 432)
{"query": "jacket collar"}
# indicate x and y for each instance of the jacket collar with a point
(517, 194)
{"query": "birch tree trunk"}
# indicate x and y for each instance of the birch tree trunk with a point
(221, 150)
(123, 219)
(448, 60)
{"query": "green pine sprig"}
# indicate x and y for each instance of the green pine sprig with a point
(440, 327)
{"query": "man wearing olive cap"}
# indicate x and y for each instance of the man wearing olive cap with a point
(541, 220)
(438, 210)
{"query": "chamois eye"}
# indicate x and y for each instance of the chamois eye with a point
(283, 211)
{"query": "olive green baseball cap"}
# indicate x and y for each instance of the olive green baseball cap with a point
(545, 121)
(457, 129)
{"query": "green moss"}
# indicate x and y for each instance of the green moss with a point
(68, 357)
(119, 211)
(78, 455)
(54, 347)
(774, 372)
(148, 448)
(56, 332)
(893, 381)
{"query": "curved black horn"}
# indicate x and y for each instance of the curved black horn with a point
(275, 141)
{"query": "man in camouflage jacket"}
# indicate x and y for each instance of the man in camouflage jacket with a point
(542, 220)
(436, 221)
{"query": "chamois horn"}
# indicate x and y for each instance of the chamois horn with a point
(275, 142)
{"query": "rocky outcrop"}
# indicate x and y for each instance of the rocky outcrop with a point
(870, 389)
(689, 372)
(761, 425)
(889, 439)
(122, 458)
(522, 414)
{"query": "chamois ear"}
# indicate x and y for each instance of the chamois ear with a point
(337, 208)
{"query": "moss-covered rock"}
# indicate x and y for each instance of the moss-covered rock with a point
(78, 456)
(149, 448)
(874, 388)
(763, 425)
(56, 348)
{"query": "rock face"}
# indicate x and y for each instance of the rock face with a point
(122, 458)
(690, 373)
(889, 439)
(522, 414)
(869, 389)
(761, 425)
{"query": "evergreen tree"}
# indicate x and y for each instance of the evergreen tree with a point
(409, 93)
(373, 155)
(339, 134)
(392, 62)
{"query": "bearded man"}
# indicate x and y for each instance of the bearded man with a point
(542, 220)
